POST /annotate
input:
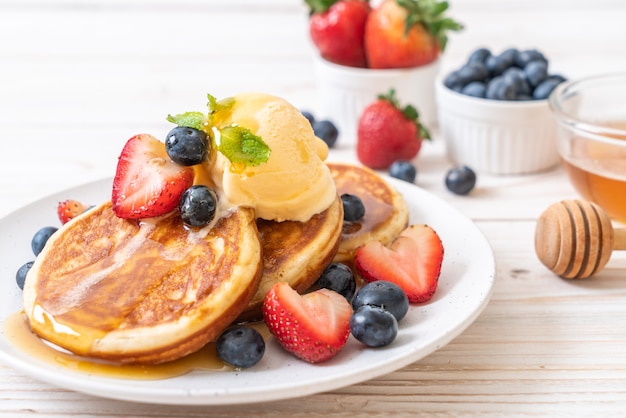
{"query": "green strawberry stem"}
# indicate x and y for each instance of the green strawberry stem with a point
(319, 6)
(430, 14)
(409, 111)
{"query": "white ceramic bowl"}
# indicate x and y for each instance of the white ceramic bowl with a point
(495, 136)
(343, 92)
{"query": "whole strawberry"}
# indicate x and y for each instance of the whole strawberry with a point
(337, 29)
(387, 133)
(407, 33)
(69, 209)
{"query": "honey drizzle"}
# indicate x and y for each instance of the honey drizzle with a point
(19, 335)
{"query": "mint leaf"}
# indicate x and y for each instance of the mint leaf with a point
(241, 146)
(195, 120)
(218, 106)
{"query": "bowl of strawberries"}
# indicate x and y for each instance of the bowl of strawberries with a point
(365, 49)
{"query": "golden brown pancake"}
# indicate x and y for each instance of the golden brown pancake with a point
(386, 213)
(142, 292)
(296, 253)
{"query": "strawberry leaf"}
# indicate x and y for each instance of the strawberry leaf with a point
(319, 6)
(430, 14)
(409, 112)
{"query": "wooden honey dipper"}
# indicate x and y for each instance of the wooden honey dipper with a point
(575, 238)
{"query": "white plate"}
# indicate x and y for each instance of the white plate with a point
(465, 286)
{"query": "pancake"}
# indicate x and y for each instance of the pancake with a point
(386, 212)
(142, 292)
(296, 253)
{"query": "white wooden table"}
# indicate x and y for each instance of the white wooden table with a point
(77, 79)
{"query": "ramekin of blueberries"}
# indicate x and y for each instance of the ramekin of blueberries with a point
(494, 114)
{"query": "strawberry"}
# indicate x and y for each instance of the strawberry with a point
(406, 33)
(147, 183)
(337, 29)
(387, 133)
(69, 209)
(314, 327)
(413, 262)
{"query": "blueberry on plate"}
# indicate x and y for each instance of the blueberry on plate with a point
(240, 346)
(41, 237)
(385, 295)
(460, 180)
(403, 170)
(197, 205)
(475, 89)
(353, 207)
(326, 131)
(339, 278)
(20, 276)
(373, 326)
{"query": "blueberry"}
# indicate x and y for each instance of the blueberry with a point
(517, 77)
(498, 64)
(187, 146)
(41, 237)
(536, 72)
(20, 276)
(479, 55)
(460, 180)
(499, 88)
(353, 208)
(309, 116)
(326, 131)
(452, 81)
(543, 90)
(472, 72)
(240, 346)
(373, 326)
(197, 205)
(510, 55)
(526, 56)
(385, 295)
(475, 89)
(338, 277)
(403, 170)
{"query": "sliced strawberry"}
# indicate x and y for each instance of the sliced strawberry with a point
(314, 327)
(413, 262)
(69, 209)
(147, 183)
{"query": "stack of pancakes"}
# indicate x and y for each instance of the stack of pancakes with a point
(154, 291)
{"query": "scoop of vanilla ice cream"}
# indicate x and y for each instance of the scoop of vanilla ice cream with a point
(294, 183)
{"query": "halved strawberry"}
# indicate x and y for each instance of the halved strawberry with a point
(147, 183)
(69, 209)
(314, 327)
(413, 262)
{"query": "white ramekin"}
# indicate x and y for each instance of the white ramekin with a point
(495, 136)
(343, 92)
